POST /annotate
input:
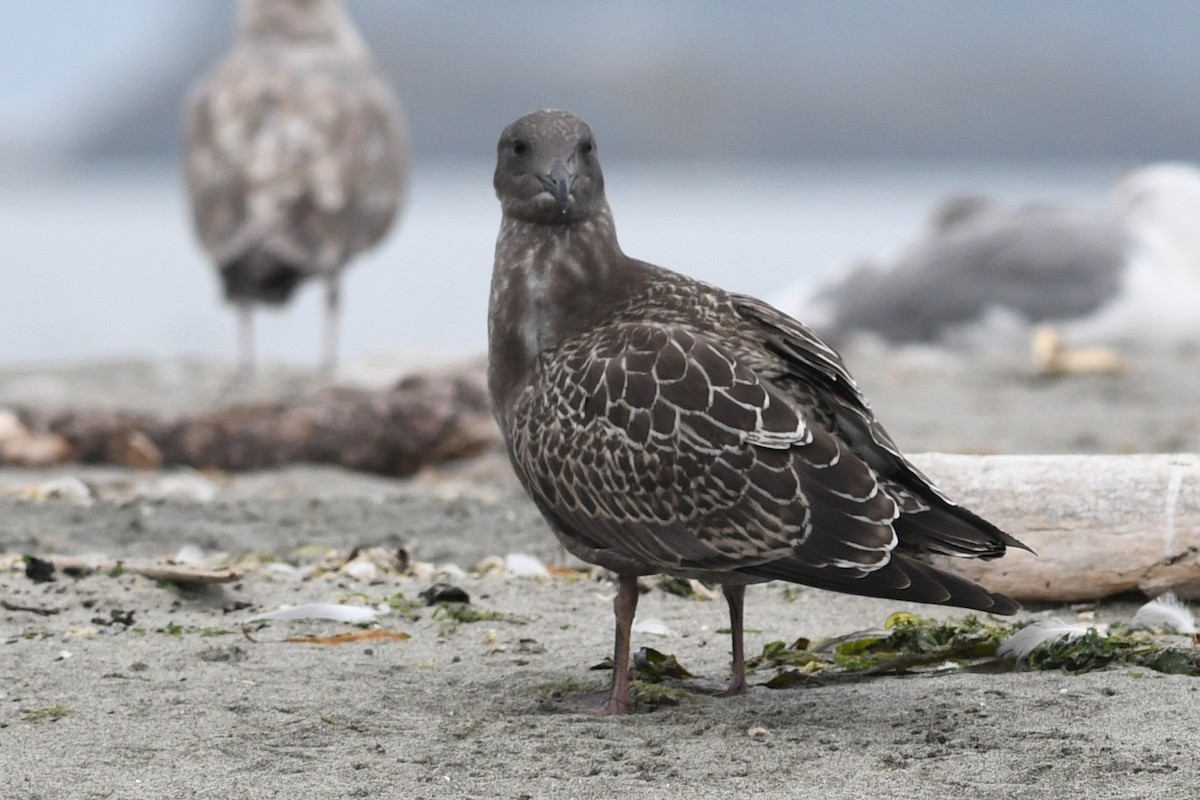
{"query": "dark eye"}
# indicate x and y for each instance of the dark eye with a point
(587, 146)
(519, 147)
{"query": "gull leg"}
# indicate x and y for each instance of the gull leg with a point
(624, 606)
(333, 316)
(245, 314)
(735, 596)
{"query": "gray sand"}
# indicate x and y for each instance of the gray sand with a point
(180, 704)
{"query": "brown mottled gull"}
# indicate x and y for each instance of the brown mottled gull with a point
(663, 425)
(297, 157)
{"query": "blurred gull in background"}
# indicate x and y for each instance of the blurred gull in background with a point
(296, 156)
(865, 115)
(983, 276)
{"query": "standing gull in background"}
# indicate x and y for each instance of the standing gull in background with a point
(983, 274)
(663, 425)
(297, 158)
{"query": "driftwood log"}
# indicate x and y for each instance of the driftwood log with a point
(1101, 525)
(421, 420)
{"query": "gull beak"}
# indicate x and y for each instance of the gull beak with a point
(559, 183)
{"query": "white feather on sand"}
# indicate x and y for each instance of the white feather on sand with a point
(1030, 638)
(1167, 612)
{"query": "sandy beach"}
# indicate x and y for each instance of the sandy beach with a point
(113, 685)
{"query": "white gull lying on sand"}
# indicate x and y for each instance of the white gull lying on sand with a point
(983, 275)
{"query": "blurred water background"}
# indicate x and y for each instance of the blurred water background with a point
(753, 145)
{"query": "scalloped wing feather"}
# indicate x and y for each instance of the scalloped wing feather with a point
(657, 444)
(931, 522)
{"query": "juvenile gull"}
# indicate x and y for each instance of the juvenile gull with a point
(663, 425)
(296, 158)
(1129, 274)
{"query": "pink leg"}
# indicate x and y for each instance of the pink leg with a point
(735, 596)
(624, 606)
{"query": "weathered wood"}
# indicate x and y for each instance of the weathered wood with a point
(1101, 525)
(421, 420)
